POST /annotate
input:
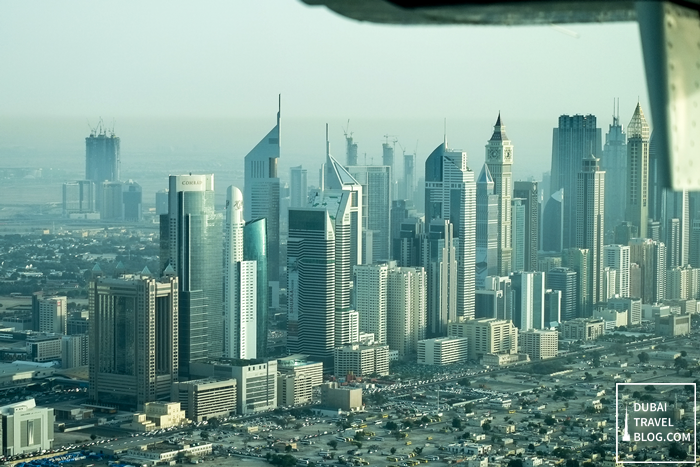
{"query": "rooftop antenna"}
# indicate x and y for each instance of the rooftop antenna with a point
(444, 132)
(328, 143)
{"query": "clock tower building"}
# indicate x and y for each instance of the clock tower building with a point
(499, 159)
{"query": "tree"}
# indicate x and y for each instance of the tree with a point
(649, 388)
(457, 423)
(392, 451)
(549, 421)
(333, 444)
(425, 419)
(684, 353)
(288, 448)
(676, 451)
(486, 427)
(643, 357)
(93, 436)
(418, 450)
(463, 382)
(588, 376)
(515, 463)
(391, 426)
(680, 363)
(543, 431)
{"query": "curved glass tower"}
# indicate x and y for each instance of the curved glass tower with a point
(255, 249)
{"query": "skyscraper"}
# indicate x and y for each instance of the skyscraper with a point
(311, 279)
(133, 339)
(371, 298)
(614, 163)
(441, 264)
(637, 210)
(564, 280)
(78, 197)
(245, 287)
(261, 194)
(590, 226)
(579, 259)
(255, 250)
(132, 197)
(499, 158)
(190, 243)
(576, 137)
(376, 207)
(450, 194)
(486, 228)
(518, 233)
(409, 244)
(299, 195)
(409, 177)
(553, 222)
(650, 256)
(618, 258)
(528, 191)
(528, 300)
(101, 155)
(406, 309)
(676, 222)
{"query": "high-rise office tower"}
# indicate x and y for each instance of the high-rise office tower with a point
(245, 284)
(528, 300)
(190, 247)
(261, 194)
(101, 155)
(552, 308)
(255, 250)
(518, 233)
(111, 200)
(499, 158)
(450, 194)
(409, 177)
(311, 283)
(658, 180)
(441, 264)
(161, 202)
(376, 208)
(590, 227)
(676, 221)
(553, 222)
(133, 339)
(637, 211)
(564, 280)
(694, 248)
(576, 137)
(132, 197)
(579, 259)
(371, 298)
(624, 232)
(350, 149)
(78, 197)
(401, 209)
(388, 160)
(503, 287)
(49, 314)
(650, 256)
(406, 309)
(486, 227)
(528, 191)
(299, 195)
(239, 284)
(614, 163)
(409, 244)
(618, 258)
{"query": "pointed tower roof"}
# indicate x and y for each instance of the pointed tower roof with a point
(336, 176)
(96, 268)
(485, 175)
(269, 146)
(169, 270)
(146, 271)
(638, 126)
(434, 162)
(499, 130)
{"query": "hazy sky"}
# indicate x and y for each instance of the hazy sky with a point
(219, 62)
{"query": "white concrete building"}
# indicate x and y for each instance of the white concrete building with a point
(442, 351)
(26, 428)
(539, 344)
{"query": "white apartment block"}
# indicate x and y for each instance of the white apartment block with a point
(539, 344)
(406, 309)
(442, 351)
(487, 336)
(371, 298)
(361, 360)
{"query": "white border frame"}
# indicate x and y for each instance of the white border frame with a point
(695, 422)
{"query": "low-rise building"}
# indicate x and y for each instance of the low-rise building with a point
(583, 329)
(673, 325)
(298, 365)
(157, 415)
(442, 351)
(337, 397)
(361, 360)
(256, 381)
(26, 428)
(539, 344)
(164, 453)
(293, 389)
(205, 398)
